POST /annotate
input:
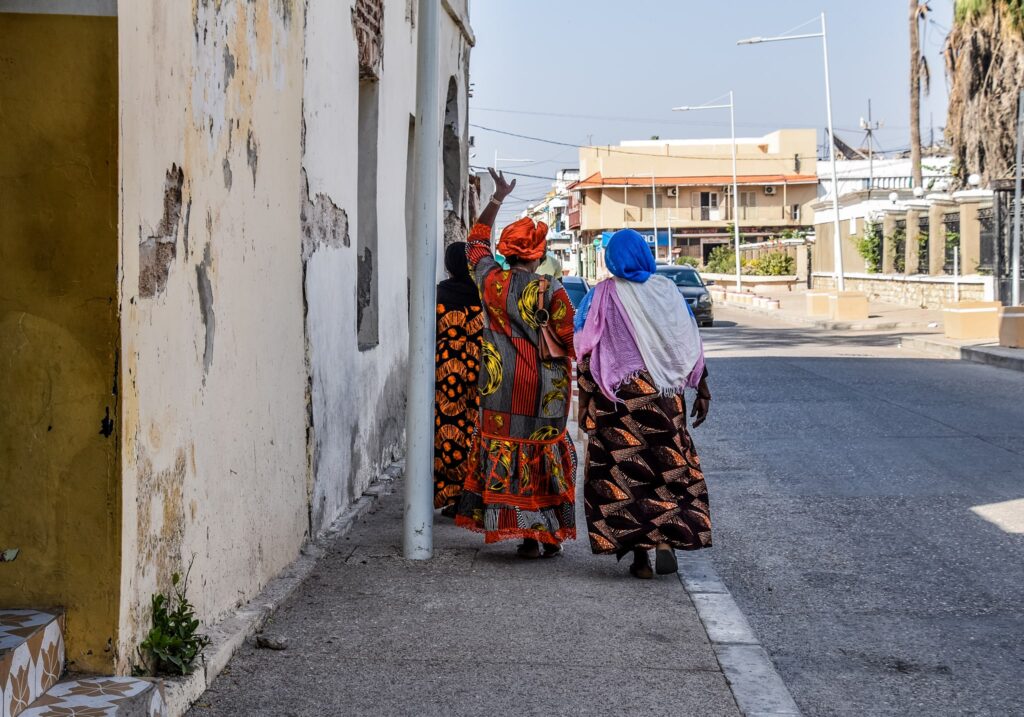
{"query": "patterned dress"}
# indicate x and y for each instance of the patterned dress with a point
(521, 479)
(455, 398)
(643, 482)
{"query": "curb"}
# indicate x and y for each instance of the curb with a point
(231, 632)
(755, 683)
(990, 356)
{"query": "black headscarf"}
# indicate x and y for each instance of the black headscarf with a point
(458, 291)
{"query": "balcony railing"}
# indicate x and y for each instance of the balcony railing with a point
(722, 213)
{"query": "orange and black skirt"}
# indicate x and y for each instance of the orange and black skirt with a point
(456, 401)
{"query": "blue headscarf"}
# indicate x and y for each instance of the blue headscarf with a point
(628, 256)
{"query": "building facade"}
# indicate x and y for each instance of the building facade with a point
(553, 210)
(679, 192)
(203, 303)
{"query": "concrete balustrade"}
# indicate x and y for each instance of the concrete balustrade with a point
(972, 320)
(848, 306)
(1011, 327)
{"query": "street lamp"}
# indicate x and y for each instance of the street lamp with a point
(735, 192)
(837, 241)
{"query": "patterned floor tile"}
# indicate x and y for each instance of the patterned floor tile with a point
(100, 697)
(31, 657)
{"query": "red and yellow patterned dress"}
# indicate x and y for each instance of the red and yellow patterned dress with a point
(521, 478)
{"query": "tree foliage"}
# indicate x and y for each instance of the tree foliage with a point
(984, 56)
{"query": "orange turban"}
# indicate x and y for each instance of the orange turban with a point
(524, 240)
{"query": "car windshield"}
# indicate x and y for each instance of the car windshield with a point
(683, 277)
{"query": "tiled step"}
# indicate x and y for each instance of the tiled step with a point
(31, 657)
(101, 697)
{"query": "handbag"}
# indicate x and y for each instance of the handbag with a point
(550, 345)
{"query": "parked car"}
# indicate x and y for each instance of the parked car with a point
(576, 287)
(694, 290)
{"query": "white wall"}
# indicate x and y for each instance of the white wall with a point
(250, 417)
(358, 397)
(213, 378)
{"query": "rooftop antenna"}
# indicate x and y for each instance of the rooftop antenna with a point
(869, 128)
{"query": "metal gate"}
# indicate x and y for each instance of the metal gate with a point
(1002, 220)
(987, 250)
(951, 225)
(923, 240)
(899, 247)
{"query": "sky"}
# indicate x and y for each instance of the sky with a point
(602, 71)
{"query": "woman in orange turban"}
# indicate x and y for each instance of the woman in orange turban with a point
(521, 478)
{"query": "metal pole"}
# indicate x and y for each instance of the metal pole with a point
(871, 153)
(956, 274)
(735, 195)
(668, 220)
(419, 423)
(837, 239)
(654, 205)
(1015, 267)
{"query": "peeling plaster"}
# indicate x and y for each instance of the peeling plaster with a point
(252, 150)
(228, 177)
(324, 223)
(205, 291)
(158, 247)
(161, 528)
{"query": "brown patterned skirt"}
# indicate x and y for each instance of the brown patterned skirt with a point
(642, 482)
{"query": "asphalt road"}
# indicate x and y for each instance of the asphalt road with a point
(861, 499)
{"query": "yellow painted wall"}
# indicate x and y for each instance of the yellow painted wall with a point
(59, 421)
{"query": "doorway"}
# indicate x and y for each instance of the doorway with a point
(59, 330)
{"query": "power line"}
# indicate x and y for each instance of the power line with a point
(645, 120)
(610, 149)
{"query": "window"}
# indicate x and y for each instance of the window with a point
(367, 258)
(748, 199)
(649, 200)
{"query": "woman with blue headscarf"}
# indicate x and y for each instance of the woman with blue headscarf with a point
(639, 349)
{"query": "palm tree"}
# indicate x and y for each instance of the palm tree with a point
(985, 66)
(919, 73)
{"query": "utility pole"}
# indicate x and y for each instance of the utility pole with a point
(869, 128)
(654, 209)
(418, 537)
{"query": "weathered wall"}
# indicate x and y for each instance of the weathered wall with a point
(920, 291)
(213, 366)
(357, 397)
(59, 433)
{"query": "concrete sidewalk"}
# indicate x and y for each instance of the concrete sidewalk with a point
(474, 631)
(989, 352)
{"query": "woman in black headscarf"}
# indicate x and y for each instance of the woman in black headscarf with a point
(459, 325)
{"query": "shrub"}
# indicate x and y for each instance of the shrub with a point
(869, 247)
(722, 260)
(898, 242)
(777, 263)
(173, 643)
(691, 260)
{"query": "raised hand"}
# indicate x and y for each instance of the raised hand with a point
(502, 187)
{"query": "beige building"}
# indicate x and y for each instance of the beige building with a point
(203, 292)
(684, 189)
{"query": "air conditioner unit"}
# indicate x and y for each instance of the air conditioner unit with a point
(672, 191)
(769, 190)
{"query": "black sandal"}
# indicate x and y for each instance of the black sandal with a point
(641, 567)
(528, 550)
(665, 561)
